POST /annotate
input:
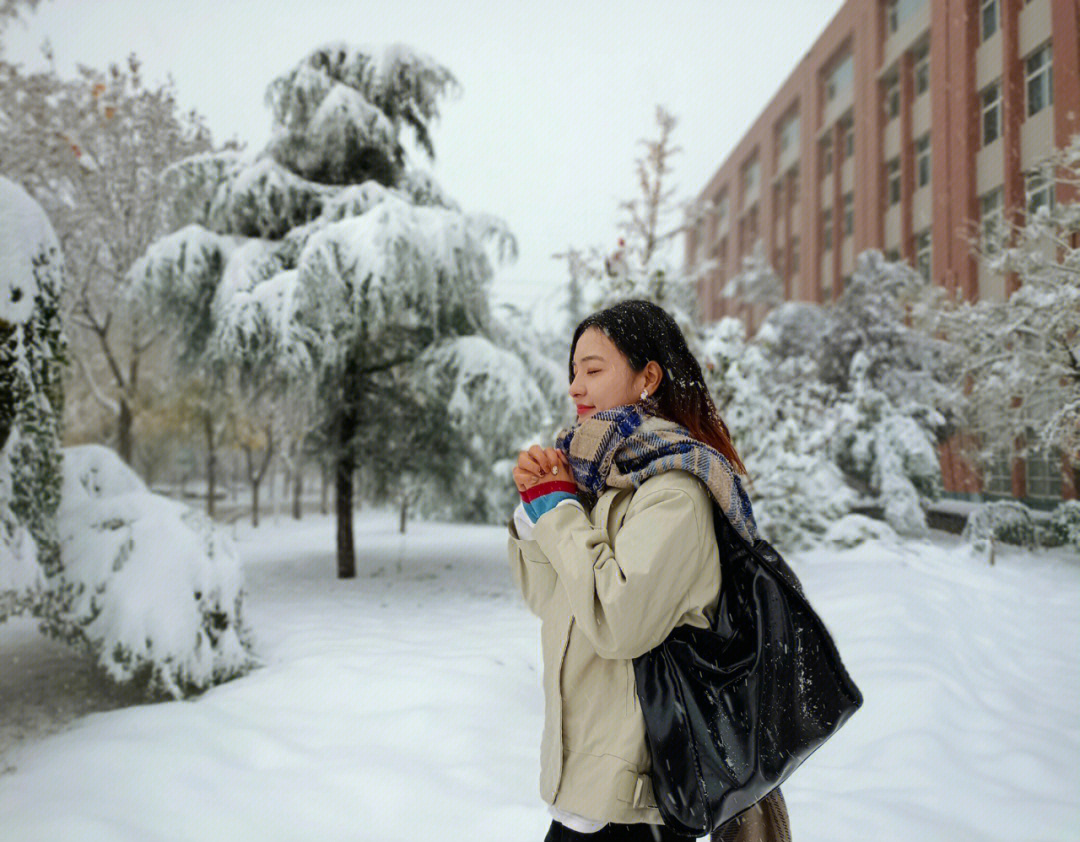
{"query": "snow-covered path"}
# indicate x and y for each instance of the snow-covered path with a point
(406, 705)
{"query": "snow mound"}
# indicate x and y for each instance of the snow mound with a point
(25, 233)
(157, 590)
(855, 529)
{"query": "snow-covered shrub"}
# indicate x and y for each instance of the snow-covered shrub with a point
(796, 491)
(854, 529)
(156, 589)
(1062, 528)
(778, 418)
(32, 354)
(886, 449)
(1008, 521)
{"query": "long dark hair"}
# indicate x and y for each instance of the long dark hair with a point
(644, 331)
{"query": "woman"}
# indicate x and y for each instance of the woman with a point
(612, 547)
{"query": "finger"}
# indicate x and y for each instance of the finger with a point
(541, 457)
(528, 463)
(523, 480)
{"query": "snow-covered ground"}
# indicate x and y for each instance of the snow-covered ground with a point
(406, 704)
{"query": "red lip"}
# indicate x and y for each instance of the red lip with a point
(581, 410)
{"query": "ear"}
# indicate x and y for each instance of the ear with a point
(653, 375)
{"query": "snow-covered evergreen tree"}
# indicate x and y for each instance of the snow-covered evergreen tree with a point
(1021, 361)
(840, 405)
(778, 416)
(33, 350)
(156, 588)
(756, 282)
(329, 256)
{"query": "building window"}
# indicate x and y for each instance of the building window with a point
(923, 253)
(989, 18)
(922, 160)
(991, 113)
(892, 181)
(991, 221)
(1039, 189)
(840, 78)
(794, 255)
(826, 155)
(849, 213)
(892, 255)
(997, 474)
(720, 208)
(898, 11)
(750, 174)
(793, 177)
(922, 71)
(1040, 82)
(751, 227)
(892, 99)
(826, 228)
(788, 134)
(1043, 471)
(849, 140)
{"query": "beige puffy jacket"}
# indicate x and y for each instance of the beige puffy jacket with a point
(609, 585)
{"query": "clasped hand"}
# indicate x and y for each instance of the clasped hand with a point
(538, 464)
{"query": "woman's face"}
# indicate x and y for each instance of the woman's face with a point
(602, 375)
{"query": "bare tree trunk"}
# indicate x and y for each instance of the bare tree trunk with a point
(324, 495)
(343, 485)
(404, 514)
(211, 461)
(297, 484)
(255, 477)
(124, 420)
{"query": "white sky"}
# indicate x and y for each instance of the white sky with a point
(555, 95)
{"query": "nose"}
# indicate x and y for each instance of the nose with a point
(575, 390)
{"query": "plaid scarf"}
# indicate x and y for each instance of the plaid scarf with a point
(621, 448)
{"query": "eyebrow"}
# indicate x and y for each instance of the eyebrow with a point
(590, 357)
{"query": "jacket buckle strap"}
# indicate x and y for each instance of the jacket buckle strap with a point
(636, 789)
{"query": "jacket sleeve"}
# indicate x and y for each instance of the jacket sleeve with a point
(532, 572)
(628, 595)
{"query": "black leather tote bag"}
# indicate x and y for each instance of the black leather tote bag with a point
(731, 711)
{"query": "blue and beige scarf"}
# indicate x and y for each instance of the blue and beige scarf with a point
(622, 447)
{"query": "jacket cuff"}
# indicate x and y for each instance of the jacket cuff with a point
(545, 496)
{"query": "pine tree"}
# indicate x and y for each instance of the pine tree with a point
(33, 351)
(329, 258)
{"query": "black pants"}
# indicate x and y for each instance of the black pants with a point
(610, 832)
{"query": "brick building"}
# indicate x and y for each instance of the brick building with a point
(910, 126)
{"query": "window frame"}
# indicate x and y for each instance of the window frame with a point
(1042, 471)
(921, 71)
(924, 253)
(991, 220)
(849, 213)
(922, 156)
(986, 107)
(827, 228)
(893, 187)
(1038, 181)
(1042, 77)
(993, 8)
